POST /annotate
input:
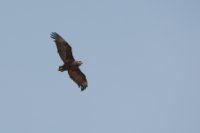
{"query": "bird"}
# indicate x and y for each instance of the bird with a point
(70, 64)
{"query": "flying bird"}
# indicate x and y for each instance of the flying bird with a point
(70, 64)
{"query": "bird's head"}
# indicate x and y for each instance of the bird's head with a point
(77, 63)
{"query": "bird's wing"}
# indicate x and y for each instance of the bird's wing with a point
(63, 47)
(78, 77)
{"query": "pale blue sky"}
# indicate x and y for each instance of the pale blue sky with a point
(141, 58)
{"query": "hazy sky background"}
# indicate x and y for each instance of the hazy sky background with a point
(141, 58)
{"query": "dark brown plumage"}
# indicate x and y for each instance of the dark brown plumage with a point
(70, 64)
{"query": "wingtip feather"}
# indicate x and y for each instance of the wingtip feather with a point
(54, 35)
(84, 86)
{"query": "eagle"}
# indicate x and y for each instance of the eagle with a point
(70, 64)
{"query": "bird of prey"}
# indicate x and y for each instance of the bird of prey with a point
(70, 64)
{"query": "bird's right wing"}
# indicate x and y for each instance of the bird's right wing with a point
(63, 47)
(78, 77)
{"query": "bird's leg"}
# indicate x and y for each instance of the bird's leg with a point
(61, 69)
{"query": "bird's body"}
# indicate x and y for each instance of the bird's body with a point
(70, 64)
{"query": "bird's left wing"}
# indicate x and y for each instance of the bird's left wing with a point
(64, 49)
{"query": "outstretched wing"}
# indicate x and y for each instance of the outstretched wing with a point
(63, 47)
(78, 77)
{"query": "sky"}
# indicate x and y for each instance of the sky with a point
(141, 59)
